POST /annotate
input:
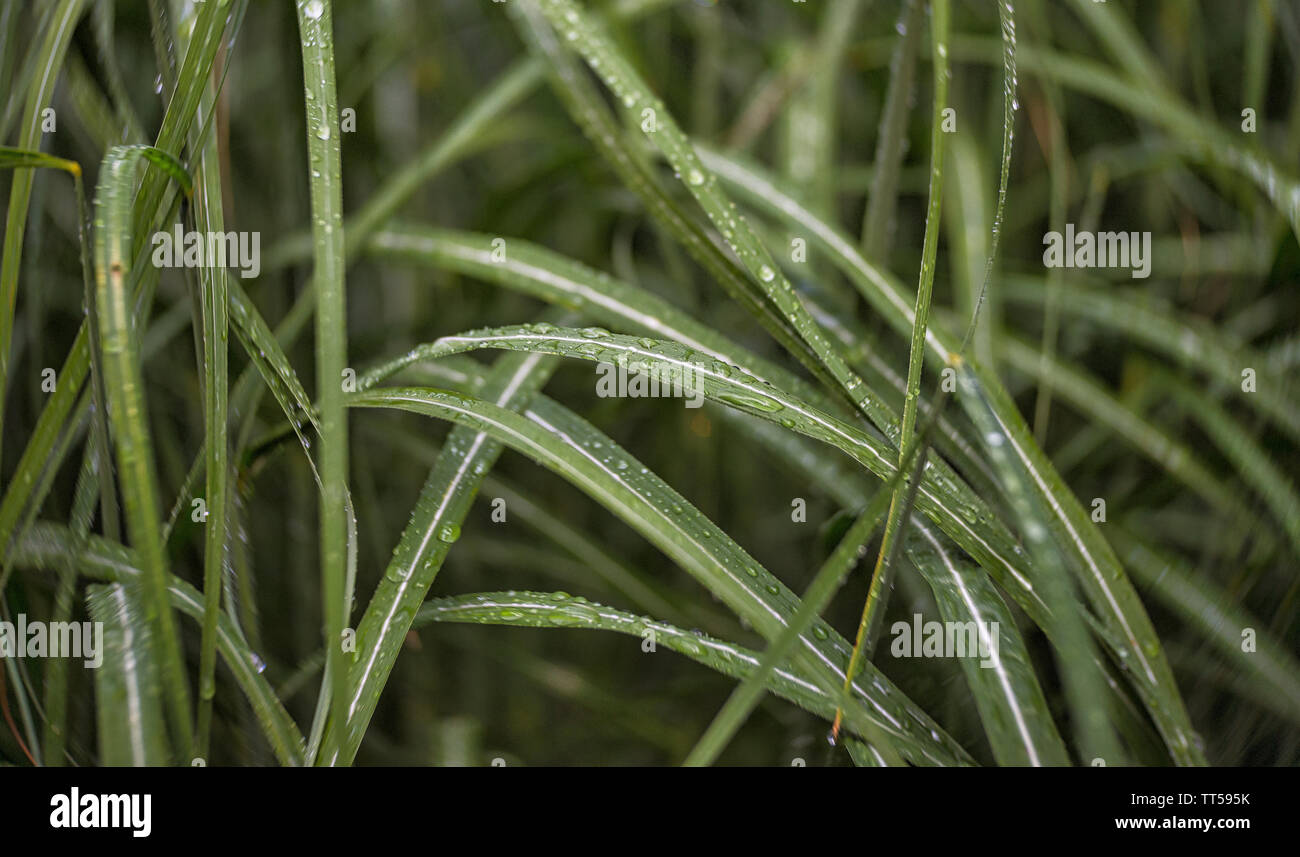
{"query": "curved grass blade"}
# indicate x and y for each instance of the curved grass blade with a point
(435, 524)
(556, 279)
(12, 158)
(1200, 140)
(128, 699)
(1179, 336)
(572, 448)
(48, 60)
(464, 375)
(645, 110)
(1090, 398)
(1083, 681)
(1108, 589)
(181, 112)
(815, 599)
(950, 504)
(1010, 701)
(589, 111)
(54, 546)
(125, 392)
(559, 610)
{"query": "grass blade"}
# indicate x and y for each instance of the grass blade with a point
(435, 525)
(48, 60)
(882, 578)
(315, 25)
(127, 693)
(558, 610)
(565, 444)
(125, 390)
(52, 546)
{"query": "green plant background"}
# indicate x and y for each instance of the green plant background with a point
(463, 205)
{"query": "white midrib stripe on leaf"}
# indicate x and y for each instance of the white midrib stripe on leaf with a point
(1012, 700)
(135, 721)
(1079, 545)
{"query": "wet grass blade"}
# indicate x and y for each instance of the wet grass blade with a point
(643, 109)
(315, 25)
(950, 504)
(589, 111)
(882, 578)
(1075, 657)
(559, 610)
(51, 546)
(435, 524)
(1103, 580)
(120, 341)
(209, 219)
(48, 61)
(815, 599)
(1010, 700)
(127, 693)
(572, 448)
(181, 112)
(559, 280)
(1089, 397)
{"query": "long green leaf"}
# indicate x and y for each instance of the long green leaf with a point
(120, 341)
(1108, 589)
(48, 61)
(50, 546)
(315, 26)
(569, 446)
(128, 699)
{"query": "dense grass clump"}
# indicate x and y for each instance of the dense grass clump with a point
(912, 374)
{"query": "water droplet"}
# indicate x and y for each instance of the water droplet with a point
(695, 178)
(313, 9)
(448, 533)
(766, 274)
(322, 131)
(758, 403)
